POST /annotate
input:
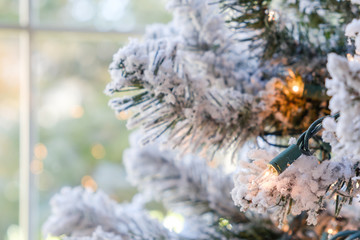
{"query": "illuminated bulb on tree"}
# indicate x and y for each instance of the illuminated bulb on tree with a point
(295, 89)
(294, 151)
(350, 57)
(298, 87)
(282, 161)
(271, 16)
(327, 234)
(285, 159)
(295, 83)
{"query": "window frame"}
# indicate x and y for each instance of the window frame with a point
(27, 124)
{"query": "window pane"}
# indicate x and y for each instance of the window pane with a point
(80, 140)
(9, 134)
(9, 11)
(103, 15)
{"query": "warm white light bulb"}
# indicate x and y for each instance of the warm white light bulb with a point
(267, 173)
(350, 57)
(295, 88)
(271, 16)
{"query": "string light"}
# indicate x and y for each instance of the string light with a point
(295, 83)
(272, 16)
(296, 86)
(330, 230)
(174, 222)
(350, 57)
(286, 228)
(285, 158)
(356, 181)
(265, 174)
(295, 89)
(294, 151)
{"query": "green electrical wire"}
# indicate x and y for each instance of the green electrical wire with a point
(353, 236)
(343, 234)
(294, 151)
(315, 127)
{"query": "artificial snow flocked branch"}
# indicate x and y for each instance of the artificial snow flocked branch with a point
(186, 184)
(83, 214)
(192, 78)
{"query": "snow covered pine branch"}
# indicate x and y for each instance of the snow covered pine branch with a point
(192, 80)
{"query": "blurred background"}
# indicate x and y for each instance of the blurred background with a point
(54, 58)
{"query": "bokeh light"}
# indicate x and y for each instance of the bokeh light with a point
(89, 182)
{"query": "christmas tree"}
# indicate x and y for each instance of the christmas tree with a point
(249, 125)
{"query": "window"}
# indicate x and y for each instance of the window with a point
(55, 126)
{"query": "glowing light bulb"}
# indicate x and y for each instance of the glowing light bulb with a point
(295, 83)
(271, 16)
(265, 174)
(174, 222)
(286, 228)
(357, 184)
(330, 231)
(350, 57)
(295, 89)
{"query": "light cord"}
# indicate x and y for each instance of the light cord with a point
(315, 127)
(294, 151)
